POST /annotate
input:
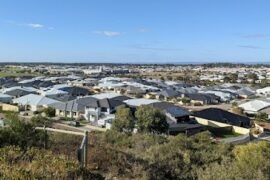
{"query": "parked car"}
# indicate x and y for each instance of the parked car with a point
(74, 123)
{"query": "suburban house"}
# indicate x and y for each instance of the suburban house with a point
(222, 116)
(263, 92)
(133, 103)
(19, 91)
(5, 98)
(187, 90)
(83, 82)
(223, 94)
(110, 95)
(175, 114)
(254, 106)
(219, 121)
(134, 91)
(101, 108)
(75, 91)
(44, 84)
(245, 93)
(64, 98)
(34, 102)
(203, 98)
(89, 108)
(168, 94)
(178, 119)
(74, 108)
(53, 93)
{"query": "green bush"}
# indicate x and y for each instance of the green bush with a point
(151, 120)
(16, 163)
(49, 111)
(19, 133)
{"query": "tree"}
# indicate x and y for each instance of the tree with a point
(151, 120)
(234, 104)
(180, 78)
(19, 133)
(35, 163)
(185, 100)
(233, 77)
(124, 120)
(170, 78)
(250, 161)
(253, 158)
(40, 121)
(49, 111)
(261, 116)
(253, 77)
(238, 110)
(227, 79)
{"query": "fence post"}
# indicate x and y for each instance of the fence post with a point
(85, 149)
(45, 137)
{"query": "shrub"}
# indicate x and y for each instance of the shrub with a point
(49, 111)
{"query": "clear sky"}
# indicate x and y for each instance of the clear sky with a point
(135, 31)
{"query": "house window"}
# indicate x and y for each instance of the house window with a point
(103, 109)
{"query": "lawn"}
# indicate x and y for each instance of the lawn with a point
(222, 133)
(225, 134)
(15, 72)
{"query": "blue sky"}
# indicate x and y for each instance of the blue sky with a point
(135, 31)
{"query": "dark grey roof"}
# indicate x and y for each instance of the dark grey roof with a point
(81, 103)
(176, 111)
(45, 84)
(170, 108)
(135, 90)
(223, 116)
(202, 97)
(9, 83)
(32, 83)
(75, 105)
(245, 92)
(213, 96)
(64, 98)
(183, 85)
(187, 90)
(109, 103)
(18, 92)
(75, 90)
(170, 93)
(120, 98)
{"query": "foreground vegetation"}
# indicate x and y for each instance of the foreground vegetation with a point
(149, 156)
(123, 155)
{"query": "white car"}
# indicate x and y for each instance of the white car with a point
(104, 122)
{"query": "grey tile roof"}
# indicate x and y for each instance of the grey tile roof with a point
(170, 108)
(223, 116)
(79, 105)
(245, 92)
(169, 93)
(18, 92)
